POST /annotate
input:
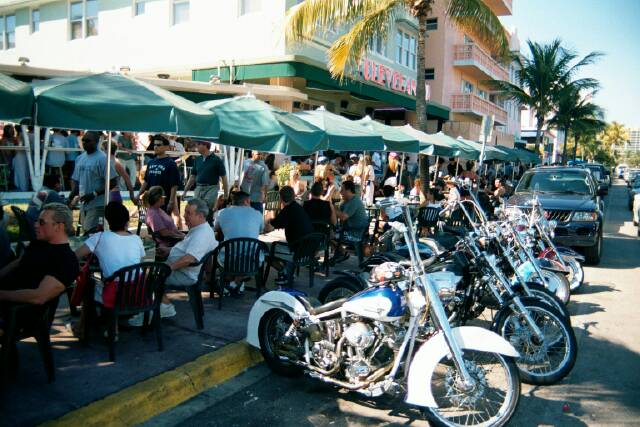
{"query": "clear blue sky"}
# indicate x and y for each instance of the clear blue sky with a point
(609, 26)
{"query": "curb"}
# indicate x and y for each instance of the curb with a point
(140, 402)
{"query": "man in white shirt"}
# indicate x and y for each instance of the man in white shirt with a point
(199, 241)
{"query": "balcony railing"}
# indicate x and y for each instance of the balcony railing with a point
(471, 103)
(471, 54)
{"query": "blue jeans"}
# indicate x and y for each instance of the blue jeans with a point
(258, 206)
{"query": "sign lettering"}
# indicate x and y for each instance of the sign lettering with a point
(390, 78)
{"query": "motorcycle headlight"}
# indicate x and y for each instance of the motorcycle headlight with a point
(584, 216)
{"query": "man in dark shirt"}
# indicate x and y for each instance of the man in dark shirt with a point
(48, 265)
(207, 172)
(292, 218)
(318, 209)
(162, 171)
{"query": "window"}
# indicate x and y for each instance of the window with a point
(35, 20)
(10, 32)
(378, 45)
(432, 24)
(139, 7)
(467, 87)
(180, 11)
(406, 49)
(83, 19)
(482, 93)
(429, 73)
(249, 6)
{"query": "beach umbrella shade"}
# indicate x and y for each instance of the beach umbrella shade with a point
(342, 134)
(16, 100)
(247, 122)
(394, 138)
(430, 144)
(115, 102)
(490, 153)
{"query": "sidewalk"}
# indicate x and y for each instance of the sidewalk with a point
(85, 375)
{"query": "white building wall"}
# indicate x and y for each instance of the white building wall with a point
(214, 32)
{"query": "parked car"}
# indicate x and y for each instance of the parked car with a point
(630, 174)
(571, 197)
(634, 188)
(620, 170)
(598, 172)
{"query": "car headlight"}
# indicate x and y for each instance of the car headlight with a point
(584, 216)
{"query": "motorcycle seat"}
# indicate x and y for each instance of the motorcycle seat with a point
(447, 241)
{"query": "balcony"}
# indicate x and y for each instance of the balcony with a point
(471, 131)
(471, 104)
(478, 63)
(500, 7)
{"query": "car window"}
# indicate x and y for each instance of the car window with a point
(556, 182)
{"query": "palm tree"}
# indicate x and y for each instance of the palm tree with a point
(541, 77)
(369, 18)
(615, 135)
(574, 109)
(586, 135)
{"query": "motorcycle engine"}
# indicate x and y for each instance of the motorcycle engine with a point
(447, 283)
(367, 348)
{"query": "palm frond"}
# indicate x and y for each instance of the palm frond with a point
(477, 19)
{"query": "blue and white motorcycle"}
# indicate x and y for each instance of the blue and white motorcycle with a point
(393, 338)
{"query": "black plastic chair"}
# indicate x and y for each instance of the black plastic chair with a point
(428, 218)
(193, 289)
(272, 202)
(325, 228)
(26, 233)
(303, 256)
(26, 321)
(239, 257)
(139, 290)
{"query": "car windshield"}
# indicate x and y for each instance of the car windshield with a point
(555, 182)
(596, 171)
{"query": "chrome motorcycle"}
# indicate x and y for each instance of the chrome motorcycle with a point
(394, 338)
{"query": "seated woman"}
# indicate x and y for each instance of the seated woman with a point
(299, 187)
(164, 230)
(115, 248)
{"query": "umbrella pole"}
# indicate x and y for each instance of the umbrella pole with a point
(457, 165)
(513, 171)
(108, 178)
(36, 154)
(27, 146)
(43, 162)
(435, 173)
(399, 179)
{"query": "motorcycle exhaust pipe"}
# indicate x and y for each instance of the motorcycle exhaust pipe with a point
(350, 386)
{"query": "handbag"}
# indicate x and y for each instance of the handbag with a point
(84, 275)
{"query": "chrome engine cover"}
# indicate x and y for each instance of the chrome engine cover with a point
(360, 335)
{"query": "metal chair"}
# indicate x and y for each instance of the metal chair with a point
(240, 257)
(428, 218)
(304, 255)
(325, 228)
(139, 290)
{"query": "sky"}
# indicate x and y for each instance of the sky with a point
(608, 26)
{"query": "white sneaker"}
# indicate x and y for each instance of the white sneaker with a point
(167, 310)
(136, 321)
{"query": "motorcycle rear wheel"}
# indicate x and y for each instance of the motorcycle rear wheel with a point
(337, 289)
(545, 295)
(540, 363)
(555, 282)
(492, 402)
(273, 326)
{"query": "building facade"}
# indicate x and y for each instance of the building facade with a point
(457, 72)
(633, 145)
(224, 41)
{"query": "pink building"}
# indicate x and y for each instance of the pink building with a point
(456, 71)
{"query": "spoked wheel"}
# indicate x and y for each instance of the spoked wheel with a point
(492, 399)
(276, 347)
(545, 295)
(555, 282)
(546, 359)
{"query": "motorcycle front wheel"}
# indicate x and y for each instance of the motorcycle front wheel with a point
(542, 361)
(576, 277)
(276, 348)
(490, 402)
(556, 283)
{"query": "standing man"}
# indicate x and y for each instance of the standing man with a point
(88, 181)
(127, 159)
(162, 171)
(207, 171)
(255, 180)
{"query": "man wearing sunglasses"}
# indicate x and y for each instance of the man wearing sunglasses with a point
(47, 266)
(162, 171)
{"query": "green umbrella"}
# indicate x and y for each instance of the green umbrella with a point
(247, 122)
(430, 144)
(394, 138)
(490, 152)
(16, 100)
(114, 102)
(465, 151)
(527, 156)
(342, 134)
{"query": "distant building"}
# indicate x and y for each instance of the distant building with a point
(633, 145)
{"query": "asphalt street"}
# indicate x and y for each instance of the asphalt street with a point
(603, 388)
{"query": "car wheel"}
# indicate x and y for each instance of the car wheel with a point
(594, 253)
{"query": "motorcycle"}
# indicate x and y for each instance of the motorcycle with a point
(394, 338)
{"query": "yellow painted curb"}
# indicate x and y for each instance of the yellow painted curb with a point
(151, 397)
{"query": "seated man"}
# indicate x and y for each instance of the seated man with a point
(47, 194)
(390, 213)
(353, 217)
(199, 241)
(318, 209)
(295, 221)
(48, 265)
(235, 221)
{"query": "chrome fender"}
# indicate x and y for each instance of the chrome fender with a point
(568, 252)
(426, 359)
(274, 299)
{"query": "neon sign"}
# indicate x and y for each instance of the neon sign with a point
(389, 78)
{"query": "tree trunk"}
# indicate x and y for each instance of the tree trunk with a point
(564, 146)
(421, 102)
(575, 147)
(539, 124)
